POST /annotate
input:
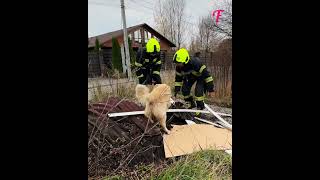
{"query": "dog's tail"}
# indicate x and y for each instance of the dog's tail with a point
(161, 93)
(142, 93)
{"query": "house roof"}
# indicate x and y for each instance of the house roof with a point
(108, 36)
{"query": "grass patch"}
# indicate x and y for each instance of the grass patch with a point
(168, 77)
(208, 164)
(219, 101)
(122, 90)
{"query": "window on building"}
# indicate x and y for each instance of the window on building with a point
(146, 36)
(137, 36)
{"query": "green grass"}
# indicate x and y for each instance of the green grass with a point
(206, 165)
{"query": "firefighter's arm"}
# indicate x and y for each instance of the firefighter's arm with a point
(156, 69)
(138, 64)
(157, 64)
(207, 78)
(178, 82)
(158, 60)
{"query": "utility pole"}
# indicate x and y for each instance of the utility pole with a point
(125, 39)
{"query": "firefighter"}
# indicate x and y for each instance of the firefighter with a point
(188, 71)
(148, 63)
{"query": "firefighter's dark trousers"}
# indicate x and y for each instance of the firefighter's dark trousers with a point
(199, 92)
(148, 75)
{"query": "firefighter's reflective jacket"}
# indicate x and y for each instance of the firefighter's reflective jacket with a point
(148, 64)
(194, 70)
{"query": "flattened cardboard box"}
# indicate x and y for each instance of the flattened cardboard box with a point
(186, 139)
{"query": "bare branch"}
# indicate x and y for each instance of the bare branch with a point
(170, 20)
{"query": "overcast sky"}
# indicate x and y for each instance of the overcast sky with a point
(105, 15)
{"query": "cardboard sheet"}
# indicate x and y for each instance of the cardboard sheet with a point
(186, 139)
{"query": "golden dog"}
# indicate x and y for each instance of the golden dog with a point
(156, 102)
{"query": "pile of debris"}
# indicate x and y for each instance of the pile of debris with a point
(122, 142)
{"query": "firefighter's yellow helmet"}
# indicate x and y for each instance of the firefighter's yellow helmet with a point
(152, 46)
(181, 56)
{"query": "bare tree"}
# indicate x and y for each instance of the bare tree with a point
(161, 20)
(170, 20)
(225, 20)
(193, 45)
(222, 65)
(207, 38)
(207, 34)
(217, 39)
(180, 22)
